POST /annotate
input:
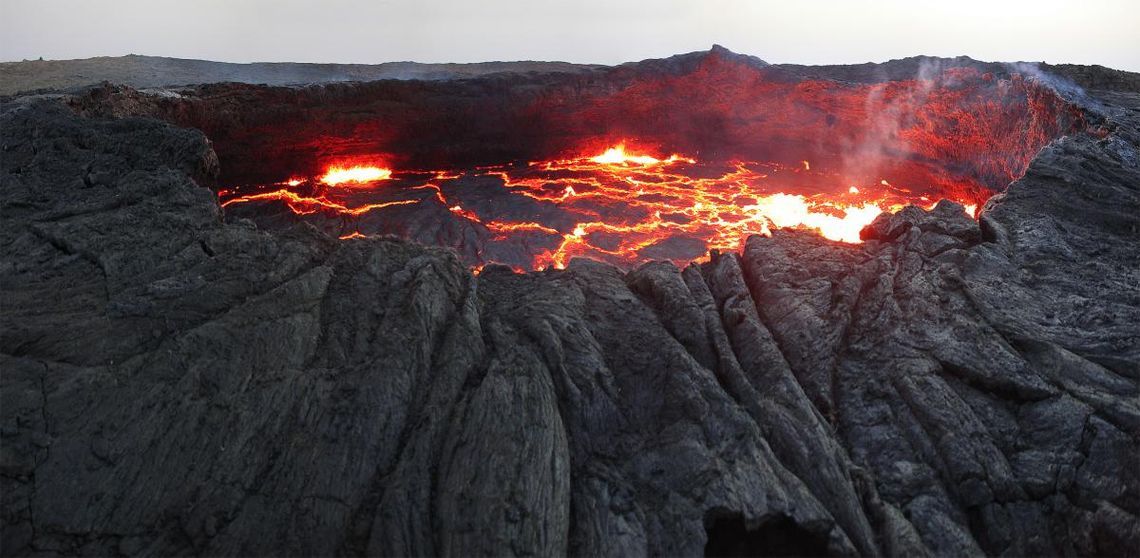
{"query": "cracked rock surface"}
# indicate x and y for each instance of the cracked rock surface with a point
(174, 383)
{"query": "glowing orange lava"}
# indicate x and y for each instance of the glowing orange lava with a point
(617, 206)
(353, 175)
(617, 156)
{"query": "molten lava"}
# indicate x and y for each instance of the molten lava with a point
(356, 175)
(618, 156)
(617, 206)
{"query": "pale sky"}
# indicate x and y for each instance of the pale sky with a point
(1105, 32)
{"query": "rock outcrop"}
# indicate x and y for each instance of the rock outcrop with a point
(176, 383)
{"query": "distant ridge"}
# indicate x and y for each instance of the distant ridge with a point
(157, 71)
(141, 72)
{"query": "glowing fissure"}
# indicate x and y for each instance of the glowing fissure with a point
(304, 205)
(627, 207)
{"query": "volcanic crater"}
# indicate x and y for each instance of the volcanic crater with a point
(657, 160)
(462, 316)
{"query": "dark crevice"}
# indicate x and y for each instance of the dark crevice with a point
(206, 248)
(779, 536)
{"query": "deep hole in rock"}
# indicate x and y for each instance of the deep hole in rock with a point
(503, 168)
(729, 535)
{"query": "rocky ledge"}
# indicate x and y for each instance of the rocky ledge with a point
(174, 383)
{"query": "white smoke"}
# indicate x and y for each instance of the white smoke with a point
(880, 139)
(1064, 87)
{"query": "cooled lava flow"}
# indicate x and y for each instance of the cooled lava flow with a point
(624, 205)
